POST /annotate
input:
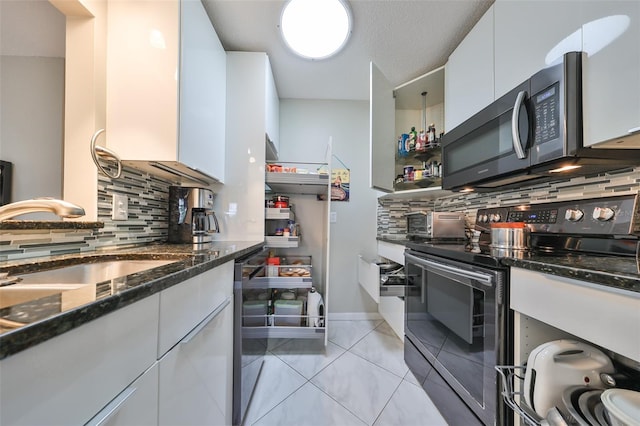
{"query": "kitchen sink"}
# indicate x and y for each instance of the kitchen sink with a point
(71, 295)
(87, 273)
(76, 284)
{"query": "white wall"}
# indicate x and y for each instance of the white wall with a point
(305, 128)
(32, 98)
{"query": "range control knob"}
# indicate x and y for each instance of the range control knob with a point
(573, 215)
(495, 217)
(603, 214)
(483, 218)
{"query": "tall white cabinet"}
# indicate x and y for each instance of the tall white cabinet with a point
(252, 117)
(166, 78)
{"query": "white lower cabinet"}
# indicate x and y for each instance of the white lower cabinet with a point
(68, 379)
(196, 370)
(196, 375)
(136, 405)
(110, 372)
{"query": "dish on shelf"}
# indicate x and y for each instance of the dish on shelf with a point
(622, 406)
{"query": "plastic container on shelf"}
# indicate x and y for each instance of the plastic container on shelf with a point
(254, 313)
(288, 307)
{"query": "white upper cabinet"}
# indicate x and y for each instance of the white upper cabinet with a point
(469, 80)
(272, 110)
(530, 35)
(611, 75)
(203, 75)
(382, 110)
(165, 84)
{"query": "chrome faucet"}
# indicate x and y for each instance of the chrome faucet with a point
(60, 207)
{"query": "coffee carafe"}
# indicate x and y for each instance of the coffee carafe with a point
(191, 215)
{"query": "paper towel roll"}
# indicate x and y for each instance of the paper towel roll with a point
(315, 308)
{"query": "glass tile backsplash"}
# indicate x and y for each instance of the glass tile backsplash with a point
(147, 221)
(392, 223)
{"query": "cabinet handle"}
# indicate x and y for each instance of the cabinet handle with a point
(634, 130)
(112, 408)
(206, 321)
(515, 118)
(97, 150)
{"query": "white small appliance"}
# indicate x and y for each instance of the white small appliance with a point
(315, 309)
(554, 366)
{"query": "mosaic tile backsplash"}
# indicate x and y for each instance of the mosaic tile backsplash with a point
(392, 222)
(148, 198)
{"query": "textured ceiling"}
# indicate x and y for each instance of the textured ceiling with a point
(404, 38)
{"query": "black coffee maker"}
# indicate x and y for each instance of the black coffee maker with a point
(191, 215)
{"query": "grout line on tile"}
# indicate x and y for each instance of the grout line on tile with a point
(387, 403)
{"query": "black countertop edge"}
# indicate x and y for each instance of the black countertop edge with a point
(138, 286)
(609, 279)
(18, 225)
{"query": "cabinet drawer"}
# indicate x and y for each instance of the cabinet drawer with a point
(392, 310)
(369, 277)
(185, 305)
(391, 251)
(68, 379)
(196, 375)
(135, 405)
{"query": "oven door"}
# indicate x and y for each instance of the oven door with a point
(453, 317)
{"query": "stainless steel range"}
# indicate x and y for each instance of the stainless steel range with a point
(458, 324)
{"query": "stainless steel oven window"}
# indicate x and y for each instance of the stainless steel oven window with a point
(451, 317)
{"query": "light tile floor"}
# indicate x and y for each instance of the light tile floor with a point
(359, 378)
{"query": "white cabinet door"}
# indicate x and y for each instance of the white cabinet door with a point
(203, 75)
(530, 35)
(611, 75)
(68, 379)
(272, 107)
(382, 113)
(196, 376)
(369, 277)
(185, 305)
(468, 80)
(143, 41)
(166, 94)
(136, 405)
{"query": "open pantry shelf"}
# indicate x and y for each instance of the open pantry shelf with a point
(297, 183)
(280, 282)
(279, 332)
(281, 242)
(278, 213)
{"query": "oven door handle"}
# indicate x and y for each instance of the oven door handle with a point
(452, 272)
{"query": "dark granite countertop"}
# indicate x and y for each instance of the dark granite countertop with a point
(611, 271)
(48, 224)
(44, 318)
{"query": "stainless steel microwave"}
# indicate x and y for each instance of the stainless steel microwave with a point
(534, 132)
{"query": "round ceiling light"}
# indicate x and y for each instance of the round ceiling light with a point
(315, 29)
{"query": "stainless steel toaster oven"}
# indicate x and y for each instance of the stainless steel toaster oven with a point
(435, 225)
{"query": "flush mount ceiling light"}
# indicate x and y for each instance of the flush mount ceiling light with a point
(315, 29)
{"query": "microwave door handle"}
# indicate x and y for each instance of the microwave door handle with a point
(515, 119)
